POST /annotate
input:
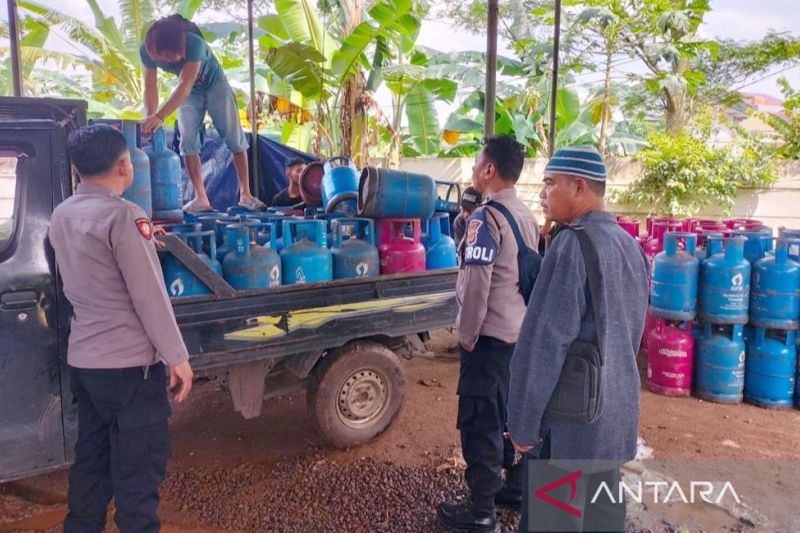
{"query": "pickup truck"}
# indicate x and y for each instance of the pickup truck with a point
(341, 341)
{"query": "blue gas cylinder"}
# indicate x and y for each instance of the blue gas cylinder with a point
(236, 210)
(756, 245)
(775, 291)
(725, 285)
(794, 249)
(206, 220)
(305, 256)
(353, 248)
(770, 368)
(220, 224)
(165, 174)
(339, 184)
(706, 249)
(329, 219)
(440, 248)
(249, 268)
(140, 191)
(719, 364)
(673, 291)
(264, 235)
(388, 193)
(180, 281)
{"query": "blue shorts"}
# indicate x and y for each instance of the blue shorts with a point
(220, 103)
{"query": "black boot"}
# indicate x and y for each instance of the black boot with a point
(509, 497)
(462, 516)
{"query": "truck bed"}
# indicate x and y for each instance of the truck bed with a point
(277, 322)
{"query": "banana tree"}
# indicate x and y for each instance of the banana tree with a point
(328, 73)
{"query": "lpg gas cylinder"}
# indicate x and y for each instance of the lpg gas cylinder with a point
(263, 237)
(245, 270)
(755, 246)
(630, 226)
(400, 253)
(794, 249)
(703, 251)
(440, 248)
(177, 277)
(770, 368)
(387, 193)
(725, 285)
(220, 225)
(650, 322)
(165, 179)
(673, 293)
(305, 256)
(353, 249)
(775, 291)
(140, 191)
(339, 184)
(199, 242)
(670, 355)
(719, 364)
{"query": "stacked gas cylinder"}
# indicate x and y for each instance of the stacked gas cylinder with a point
(723, 315)
(285, 246)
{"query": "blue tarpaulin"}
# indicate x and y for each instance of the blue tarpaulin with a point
(219, 174)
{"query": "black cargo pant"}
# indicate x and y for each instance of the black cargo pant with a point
(601, 515)
(122, 448)
(482, 398)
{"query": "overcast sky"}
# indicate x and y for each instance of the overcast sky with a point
(736, 19)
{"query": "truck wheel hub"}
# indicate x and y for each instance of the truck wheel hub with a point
(362, 398)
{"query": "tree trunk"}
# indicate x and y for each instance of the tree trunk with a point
(351, 91)
(676, 101)
(606, 109)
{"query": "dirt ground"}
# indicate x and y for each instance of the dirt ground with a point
(273, 473)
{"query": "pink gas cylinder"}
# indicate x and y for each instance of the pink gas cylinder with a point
(662, 227)
(630, 226)
(652, 220)
(743, 224)
(398, 252)
(649, 327)
(670, 356)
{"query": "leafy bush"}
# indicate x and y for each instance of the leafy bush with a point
(683, 173)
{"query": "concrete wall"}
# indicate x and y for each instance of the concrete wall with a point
(777, 206)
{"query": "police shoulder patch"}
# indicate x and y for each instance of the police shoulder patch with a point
(480, 248)
(144, 227)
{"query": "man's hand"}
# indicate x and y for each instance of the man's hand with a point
(151, 123)
(519, 448)
(466, 348)
(181, 373)
(159, 231)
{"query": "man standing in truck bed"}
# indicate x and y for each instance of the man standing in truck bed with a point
(173, 45)
(123, 331)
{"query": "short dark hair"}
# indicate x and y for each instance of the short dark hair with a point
(507, 155)
(166, 35)
(95, 149)
(294, 161)
(596, 186)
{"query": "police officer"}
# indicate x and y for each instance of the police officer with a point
(491, 308)
(470, 200)
(123, 332)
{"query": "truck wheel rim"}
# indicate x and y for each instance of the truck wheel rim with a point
(362, 398)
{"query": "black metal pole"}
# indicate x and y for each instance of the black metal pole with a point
(254, 172)
(554, 84)
(13, 31)
(491, 70)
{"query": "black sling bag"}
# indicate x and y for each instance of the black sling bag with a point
(578, 396)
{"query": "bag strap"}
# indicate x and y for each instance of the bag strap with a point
(593, 276)
(521, 245)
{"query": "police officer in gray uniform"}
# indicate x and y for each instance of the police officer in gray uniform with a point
(123, 332)
(491, 308)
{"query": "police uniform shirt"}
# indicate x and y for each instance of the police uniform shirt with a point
(111, 275)
(487, 288)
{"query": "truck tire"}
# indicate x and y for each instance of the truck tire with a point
(355, 393)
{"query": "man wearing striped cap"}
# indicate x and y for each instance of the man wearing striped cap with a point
(574, 393)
